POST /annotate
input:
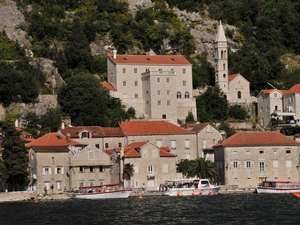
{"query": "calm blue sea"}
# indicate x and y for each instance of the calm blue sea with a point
(216, 209)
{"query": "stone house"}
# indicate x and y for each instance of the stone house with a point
(152, 164)
(207, 136)
(182, 142)
(102, 138)
(89, 166)
(158, 87)
(246, 159)
(282, 105)
(49, 162)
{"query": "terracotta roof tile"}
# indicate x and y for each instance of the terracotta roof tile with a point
(258, 139)
(26, 139)
(49, 148)
(151, 59)
(231, 77)
(108, 86)
(52, 139)
(294, 89)
(268, 91)
(165, 148)
(96, 131)
(200, 126)
(151, 127)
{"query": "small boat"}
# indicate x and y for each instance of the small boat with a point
(192, 186)
(279, 187)
(102, 192)
(296, 194)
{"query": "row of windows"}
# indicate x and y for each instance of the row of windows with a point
(147, 70)
(287, 151)
(186, 94)
(91, 169)
(150, 169)
(57, 170)
(159, 102)
(58, 185)
(250, 164)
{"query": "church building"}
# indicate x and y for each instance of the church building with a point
(235, 87)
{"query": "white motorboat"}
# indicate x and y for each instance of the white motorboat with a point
(193, 186)
(102, 192)
(279, 187)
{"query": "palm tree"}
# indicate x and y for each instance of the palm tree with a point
(128, 170)
(205, 169)
(200, 168)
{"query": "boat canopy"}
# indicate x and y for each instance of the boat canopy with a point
(105, 185)
(285, 114)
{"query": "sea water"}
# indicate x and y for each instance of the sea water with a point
(216, 209)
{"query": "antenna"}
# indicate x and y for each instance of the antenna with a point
(271, 85)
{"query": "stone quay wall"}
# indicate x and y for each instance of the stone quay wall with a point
(17, 196)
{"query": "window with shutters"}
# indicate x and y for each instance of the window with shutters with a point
(173, 145)
(159, 143)
(145, 153)
(154, 153)
(150, 169)
(288, 164)
(165, 168)
(58, 185)
(59, 170)
(248, 164)
(187, 144)
(91, 154)
(235, 164)
(261, 166)
(275, 163)
(136, 169)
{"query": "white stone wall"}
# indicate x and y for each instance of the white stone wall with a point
(180, 150)
(239, 83)
(164, 168)
(245, 177)
(208, 137)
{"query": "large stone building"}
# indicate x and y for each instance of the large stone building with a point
(279, 107)
(158, 87)
(49, 162)
(235, 87)
(152, 165)
(247, 159)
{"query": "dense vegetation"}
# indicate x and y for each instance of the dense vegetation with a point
(88, 103)
(14, 168)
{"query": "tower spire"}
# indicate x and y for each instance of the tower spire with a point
(221, 34)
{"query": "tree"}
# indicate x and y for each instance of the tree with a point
(51, 119)
(200, 168)
(212, 105)
(237, 112)
(14, 155)
(190, 117)
(226, 127)
(128, 170)
(85, 100)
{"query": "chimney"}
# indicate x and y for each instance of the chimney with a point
(62, 125)
(114, 54)
(223, 135)
(68, 137)
(121, 153)
(268, 129)
(278, 129)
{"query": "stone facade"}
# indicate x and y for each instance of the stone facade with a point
(244, 165)
(151, 166)
(89, 167)
(158, 87)
(49, 168)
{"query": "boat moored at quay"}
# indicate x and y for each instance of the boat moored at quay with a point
(183, 187)
(279, 187)
(102, 192)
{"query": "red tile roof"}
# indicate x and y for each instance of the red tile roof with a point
(294, 89)
(133, 150)
(96, 131)
(268, 91)
(151, 127)
(26, 139)
(108, 86)
(200, 126)
(231, 77)
(151, 59)
(52, 139)
(258, 139)
(57, 148)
